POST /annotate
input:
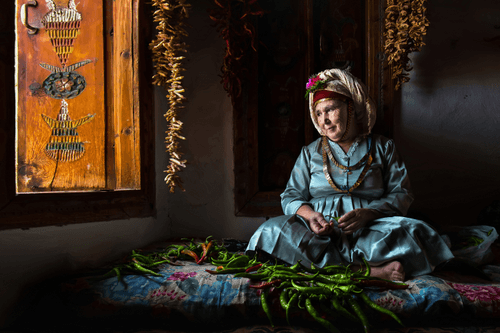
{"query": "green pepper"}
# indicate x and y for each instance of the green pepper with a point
(265, 306)
(296, 267)
(285, 284)
(342, 311)
(379, 308)
(240, 261)
(160, 262)
(118, 273)
(284, 299)
(328, 269)
(334, 279)
(294, 299)
(312, 311)
(144, 270)
(380, 283)
(368, 269)
(359, 312)
(309, 290)
(296, 277)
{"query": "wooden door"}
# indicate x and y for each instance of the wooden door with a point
(295, 40)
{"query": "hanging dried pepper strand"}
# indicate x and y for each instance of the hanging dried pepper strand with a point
(233, 21)
(405, 27)
(167, 48)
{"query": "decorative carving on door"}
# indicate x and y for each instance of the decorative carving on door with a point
(63, 26)
(64, 82)
(65, 144)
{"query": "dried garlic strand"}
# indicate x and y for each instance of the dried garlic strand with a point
(405, 27)
(167, 48)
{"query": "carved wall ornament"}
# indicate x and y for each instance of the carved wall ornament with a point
(405, 27)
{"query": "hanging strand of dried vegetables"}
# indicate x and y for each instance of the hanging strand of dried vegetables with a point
(233, 19)
(405, 27)
(167, 48)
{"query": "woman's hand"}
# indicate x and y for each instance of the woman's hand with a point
(319, 225)
(357, 219)
(317, 222)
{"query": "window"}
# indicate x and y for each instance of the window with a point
(78, 134)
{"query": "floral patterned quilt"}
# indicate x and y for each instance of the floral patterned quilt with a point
(186, 297)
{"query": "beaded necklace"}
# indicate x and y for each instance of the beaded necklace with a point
(345, 189)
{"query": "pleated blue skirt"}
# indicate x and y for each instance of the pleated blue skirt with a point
(415, 244)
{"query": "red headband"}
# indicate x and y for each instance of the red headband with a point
(322, 94)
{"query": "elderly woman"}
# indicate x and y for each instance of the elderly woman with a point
(357, 177)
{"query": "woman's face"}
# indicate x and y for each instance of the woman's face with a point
(332, 118)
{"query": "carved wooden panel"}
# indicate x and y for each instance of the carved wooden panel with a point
(61, 111)
(296, 40)
(68, 110)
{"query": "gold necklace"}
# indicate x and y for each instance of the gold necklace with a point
(360, 178)
(327, 148)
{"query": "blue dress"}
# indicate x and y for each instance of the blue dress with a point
(385, 188)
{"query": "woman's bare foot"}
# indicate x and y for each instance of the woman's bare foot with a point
(391, 271)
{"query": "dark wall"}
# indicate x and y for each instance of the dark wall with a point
(448, 128)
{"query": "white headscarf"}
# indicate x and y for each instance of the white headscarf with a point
(344, 83)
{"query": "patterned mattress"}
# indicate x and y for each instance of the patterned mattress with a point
(186, 298)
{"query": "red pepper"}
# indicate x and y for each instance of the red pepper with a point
(205, 248)
(253, 268)
(191, 254)
(266, 284)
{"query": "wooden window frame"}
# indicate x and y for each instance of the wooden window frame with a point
(249, 199)
(123, 115)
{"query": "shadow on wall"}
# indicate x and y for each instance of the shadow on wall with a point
(447, 130)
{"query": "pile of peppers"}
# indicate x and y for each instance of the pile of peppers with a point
(333, 291)
(146, 263)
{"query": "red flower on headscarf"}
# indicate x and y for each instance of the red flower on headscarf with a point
(314, 84)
